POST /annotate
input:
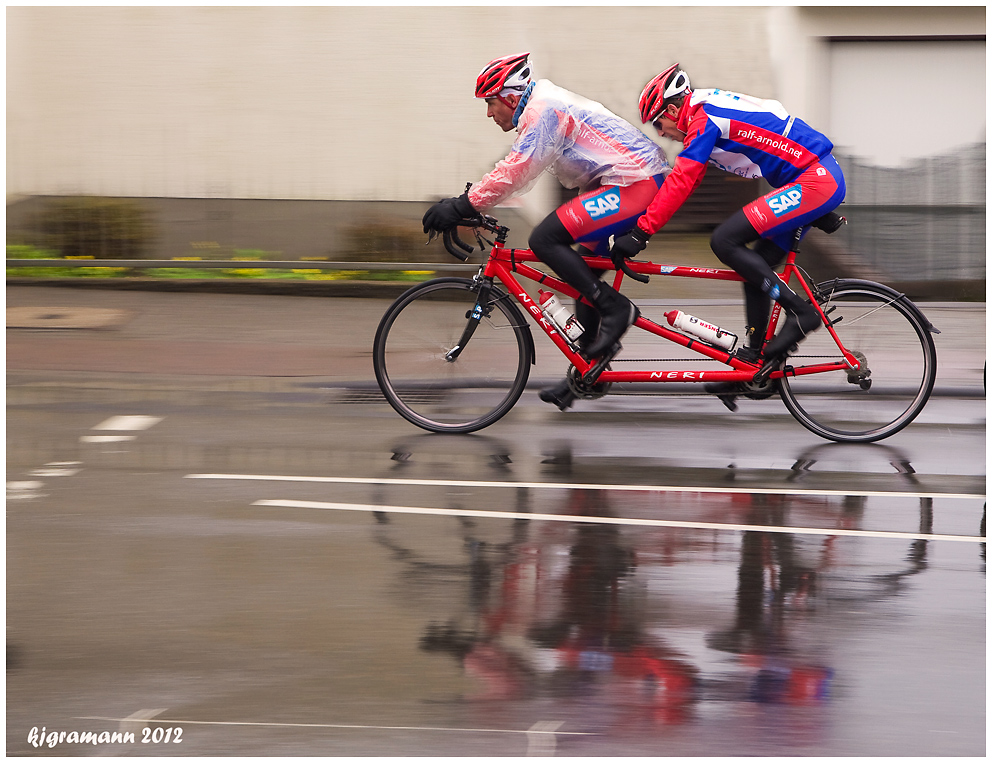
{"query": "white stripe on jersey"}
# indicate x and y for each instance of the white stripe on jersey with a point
(738, 164)
(724, 124)
(725, 99)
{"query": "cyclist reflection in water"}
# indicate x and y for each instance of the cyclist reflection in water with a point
(567, 629)
(772, 581)
(581, 628)
(615, 167)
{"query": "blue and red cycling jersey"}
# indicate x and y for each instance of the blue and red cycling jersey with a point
(753, 138)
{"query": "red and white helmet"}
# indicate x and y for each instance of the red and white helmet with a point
(501, 74)
(671, 83)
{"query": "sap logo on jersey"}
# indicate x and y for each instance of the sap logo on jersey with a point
(602, 204)
(784, 201)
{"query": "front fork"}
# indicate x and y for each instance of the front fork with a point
(474, 317)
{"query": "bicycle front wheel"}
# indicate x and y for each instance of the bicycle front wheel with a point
(444, 391)
(893, 340)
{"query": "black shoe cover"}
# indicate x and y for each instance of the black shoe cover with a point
(726, 391)
(794, 330)
(618, 314)
(561, 395)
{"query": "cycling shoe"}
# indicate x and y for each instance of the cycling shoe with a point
(726, 391)
(561, 395)
(794, 330)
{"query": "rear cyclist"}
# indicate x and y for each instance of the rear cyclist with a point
(753, 138)
(615, 167)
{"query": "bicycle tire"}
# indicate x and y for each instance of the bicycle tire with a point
(895, 340)
(465, 394)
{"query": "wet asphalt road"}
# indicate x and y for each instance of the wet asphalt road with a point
(211, 524)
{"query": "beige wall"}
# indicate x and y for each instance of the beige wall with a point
(318, 103)
(364, 103)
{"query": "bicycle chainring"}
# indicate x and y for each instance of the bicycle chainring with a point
(583, 390)
(759, 390)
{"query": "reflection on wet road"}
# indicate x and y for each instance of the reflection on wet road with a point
(221, 541)
(273, 581)
(628, 632)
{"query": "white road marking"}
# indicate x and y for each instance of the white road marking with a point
(541, 742)
(106, 437)
(579, 486)
(128, 423)
(21, 485)
(133, 724)
(330, 506)
(185, 722)
(54, 471)
(137, 721)
(25, 490)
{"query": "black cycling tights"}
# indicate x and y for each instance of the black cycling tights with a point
(552, 243)
(730, 244)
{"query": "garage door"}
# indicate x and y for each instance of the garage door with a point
(908, 122)
(894, 101)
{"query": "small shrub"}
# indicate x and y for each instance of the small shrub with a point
(380, 241)
(94, 226)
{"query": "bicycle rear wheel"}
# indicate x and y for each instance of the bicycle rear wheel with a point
(435, 389)
(897, 346)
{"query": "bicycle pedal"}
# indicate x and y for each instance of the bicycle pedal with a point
(592, 375)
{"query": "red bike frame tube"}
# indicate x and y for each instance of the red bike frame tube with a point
(504, 262)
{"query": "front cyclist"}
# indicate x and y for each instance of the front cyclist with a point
(752, 138)
(615, 167)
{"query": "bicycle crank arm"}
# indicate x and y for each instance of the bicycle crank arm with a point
(592, 375)
(765, 372)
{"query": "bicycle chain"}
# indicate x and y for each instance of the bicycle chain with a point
(700, 360)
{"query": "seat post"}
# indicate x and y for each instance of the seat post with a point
(796, 238)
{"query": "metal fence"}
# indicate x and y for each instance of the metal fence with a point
(925, 221)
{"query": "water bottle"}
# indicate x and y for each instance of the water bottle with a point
(560, 316)
(700, 329)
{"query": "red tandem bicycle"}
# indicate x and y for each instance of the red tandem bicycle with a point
(454, 354)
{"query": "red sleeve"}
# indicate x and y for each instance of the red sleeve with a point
(687, 174)
(684, 178)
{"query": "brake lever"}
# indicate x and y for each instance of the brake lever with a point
(454, 245)
(482, 240)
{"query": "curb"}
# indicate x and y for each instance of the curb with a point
(365, 289)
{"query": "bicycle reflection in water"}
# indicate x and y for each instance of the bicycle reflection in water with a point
(581, 611)
(563, 617)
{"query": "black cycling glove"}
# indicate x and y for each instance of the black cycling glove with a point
(447, 212)
(628, 246)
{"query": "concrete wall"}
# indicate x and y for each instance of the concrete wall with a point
(370, 103)
(320, 103)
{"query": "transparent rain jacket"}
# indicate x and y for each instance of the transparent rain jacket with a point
(580, 142)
